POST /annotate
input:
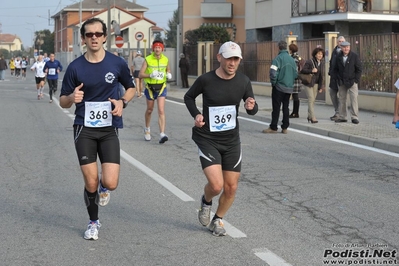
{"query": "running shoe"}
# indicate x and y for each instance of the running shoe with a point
(204, 214)
(163, 138)
(104, 195)
(38, 97)
(50, 101)
(217, 228)
(92, 230)
(147, 135)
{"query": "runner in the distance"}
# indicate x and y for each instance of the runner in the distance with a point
(52, 68)
(40, 76)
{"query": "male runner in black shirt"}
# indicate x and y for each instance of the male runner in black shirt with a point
(216, 131)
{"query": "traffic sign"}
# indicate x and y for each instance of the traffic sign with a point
(139, 36)
(119, 41)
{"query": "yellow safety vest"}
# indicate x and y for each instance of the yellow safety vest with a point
(160, 65)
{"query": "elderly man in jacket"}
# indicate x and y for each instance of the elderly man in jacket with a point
(283, 72)
(347, 71)
(333, 83)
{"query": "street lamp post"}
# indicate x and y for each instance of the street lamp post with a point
(39, 42)
(34, 33)
(33, 42)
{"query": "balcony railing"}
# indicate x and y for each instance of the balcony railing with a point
(318, 7)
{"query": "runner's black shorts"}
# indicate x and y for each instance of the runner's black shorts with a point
(211, 153)
(39, 79)
(90, 142)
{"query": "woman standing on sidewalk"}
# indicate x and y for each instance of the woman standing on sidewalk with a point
(314, 67)
(293, 49)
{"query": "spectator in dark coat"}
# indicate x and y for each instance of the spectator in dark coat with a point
(3, 67)
(333, 82)
(314, 66)
(293, 48)
(184, 68)
(347, 71)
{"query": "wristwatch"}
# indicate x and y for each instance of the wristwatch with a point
(125, 102)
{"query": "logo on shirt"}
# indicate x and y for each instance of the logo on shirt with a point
(109, 77)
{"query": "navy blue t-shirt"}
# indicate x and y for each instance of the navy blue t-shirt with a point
(100, 82)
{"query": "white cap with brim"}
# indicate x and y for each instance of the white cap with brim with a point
(230, 49)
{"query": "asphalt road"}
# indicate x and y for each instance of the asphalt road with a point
(301, 199)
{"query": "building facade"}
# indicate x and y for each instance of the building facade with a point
(10, 42)
(272, 20)
(125, 16)
(222, 13)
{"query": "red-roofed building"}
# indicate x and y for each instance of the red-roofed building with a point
(10, 42)
(128, 15)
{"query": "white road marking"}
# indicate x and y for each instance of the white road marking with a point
(231, 230)
(270, 258)
(162, 181)
(393, 154)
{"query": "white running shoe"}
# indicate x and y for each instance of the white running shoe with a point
(147, 135)
(217, 227)
(163, 138)
(204, 214)
(92, 230)
(104, 195)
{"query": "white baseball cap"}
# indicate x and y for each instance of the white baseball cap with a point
(230, 49)
(139, 52)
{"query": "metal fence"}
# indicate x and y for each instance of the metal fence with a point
(379, 55)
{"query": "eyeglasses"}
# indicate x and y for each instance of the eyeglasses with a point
(91, 34)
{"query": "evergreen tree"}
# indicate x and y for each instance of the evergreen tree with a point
(207, 33)
(47, 38)
(171, 34)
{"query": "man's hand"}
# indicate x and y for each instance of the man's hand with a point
(169, 76)
(77, 94)
(249, 103)
(117, 111)
(199, 120)
(154, 74)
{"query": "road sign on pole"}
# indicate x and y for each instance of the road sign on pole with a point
(119, 41)
(139, 36)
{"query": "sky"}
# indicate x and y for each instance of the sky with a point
(24, 17)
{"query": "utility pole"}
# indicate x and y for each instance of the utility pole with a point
(80, 24)
(109, 27)
(180, 28)
(1, 37)
(179, 41)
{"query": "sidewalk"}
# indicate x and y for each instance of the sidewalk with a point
(374, 130)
